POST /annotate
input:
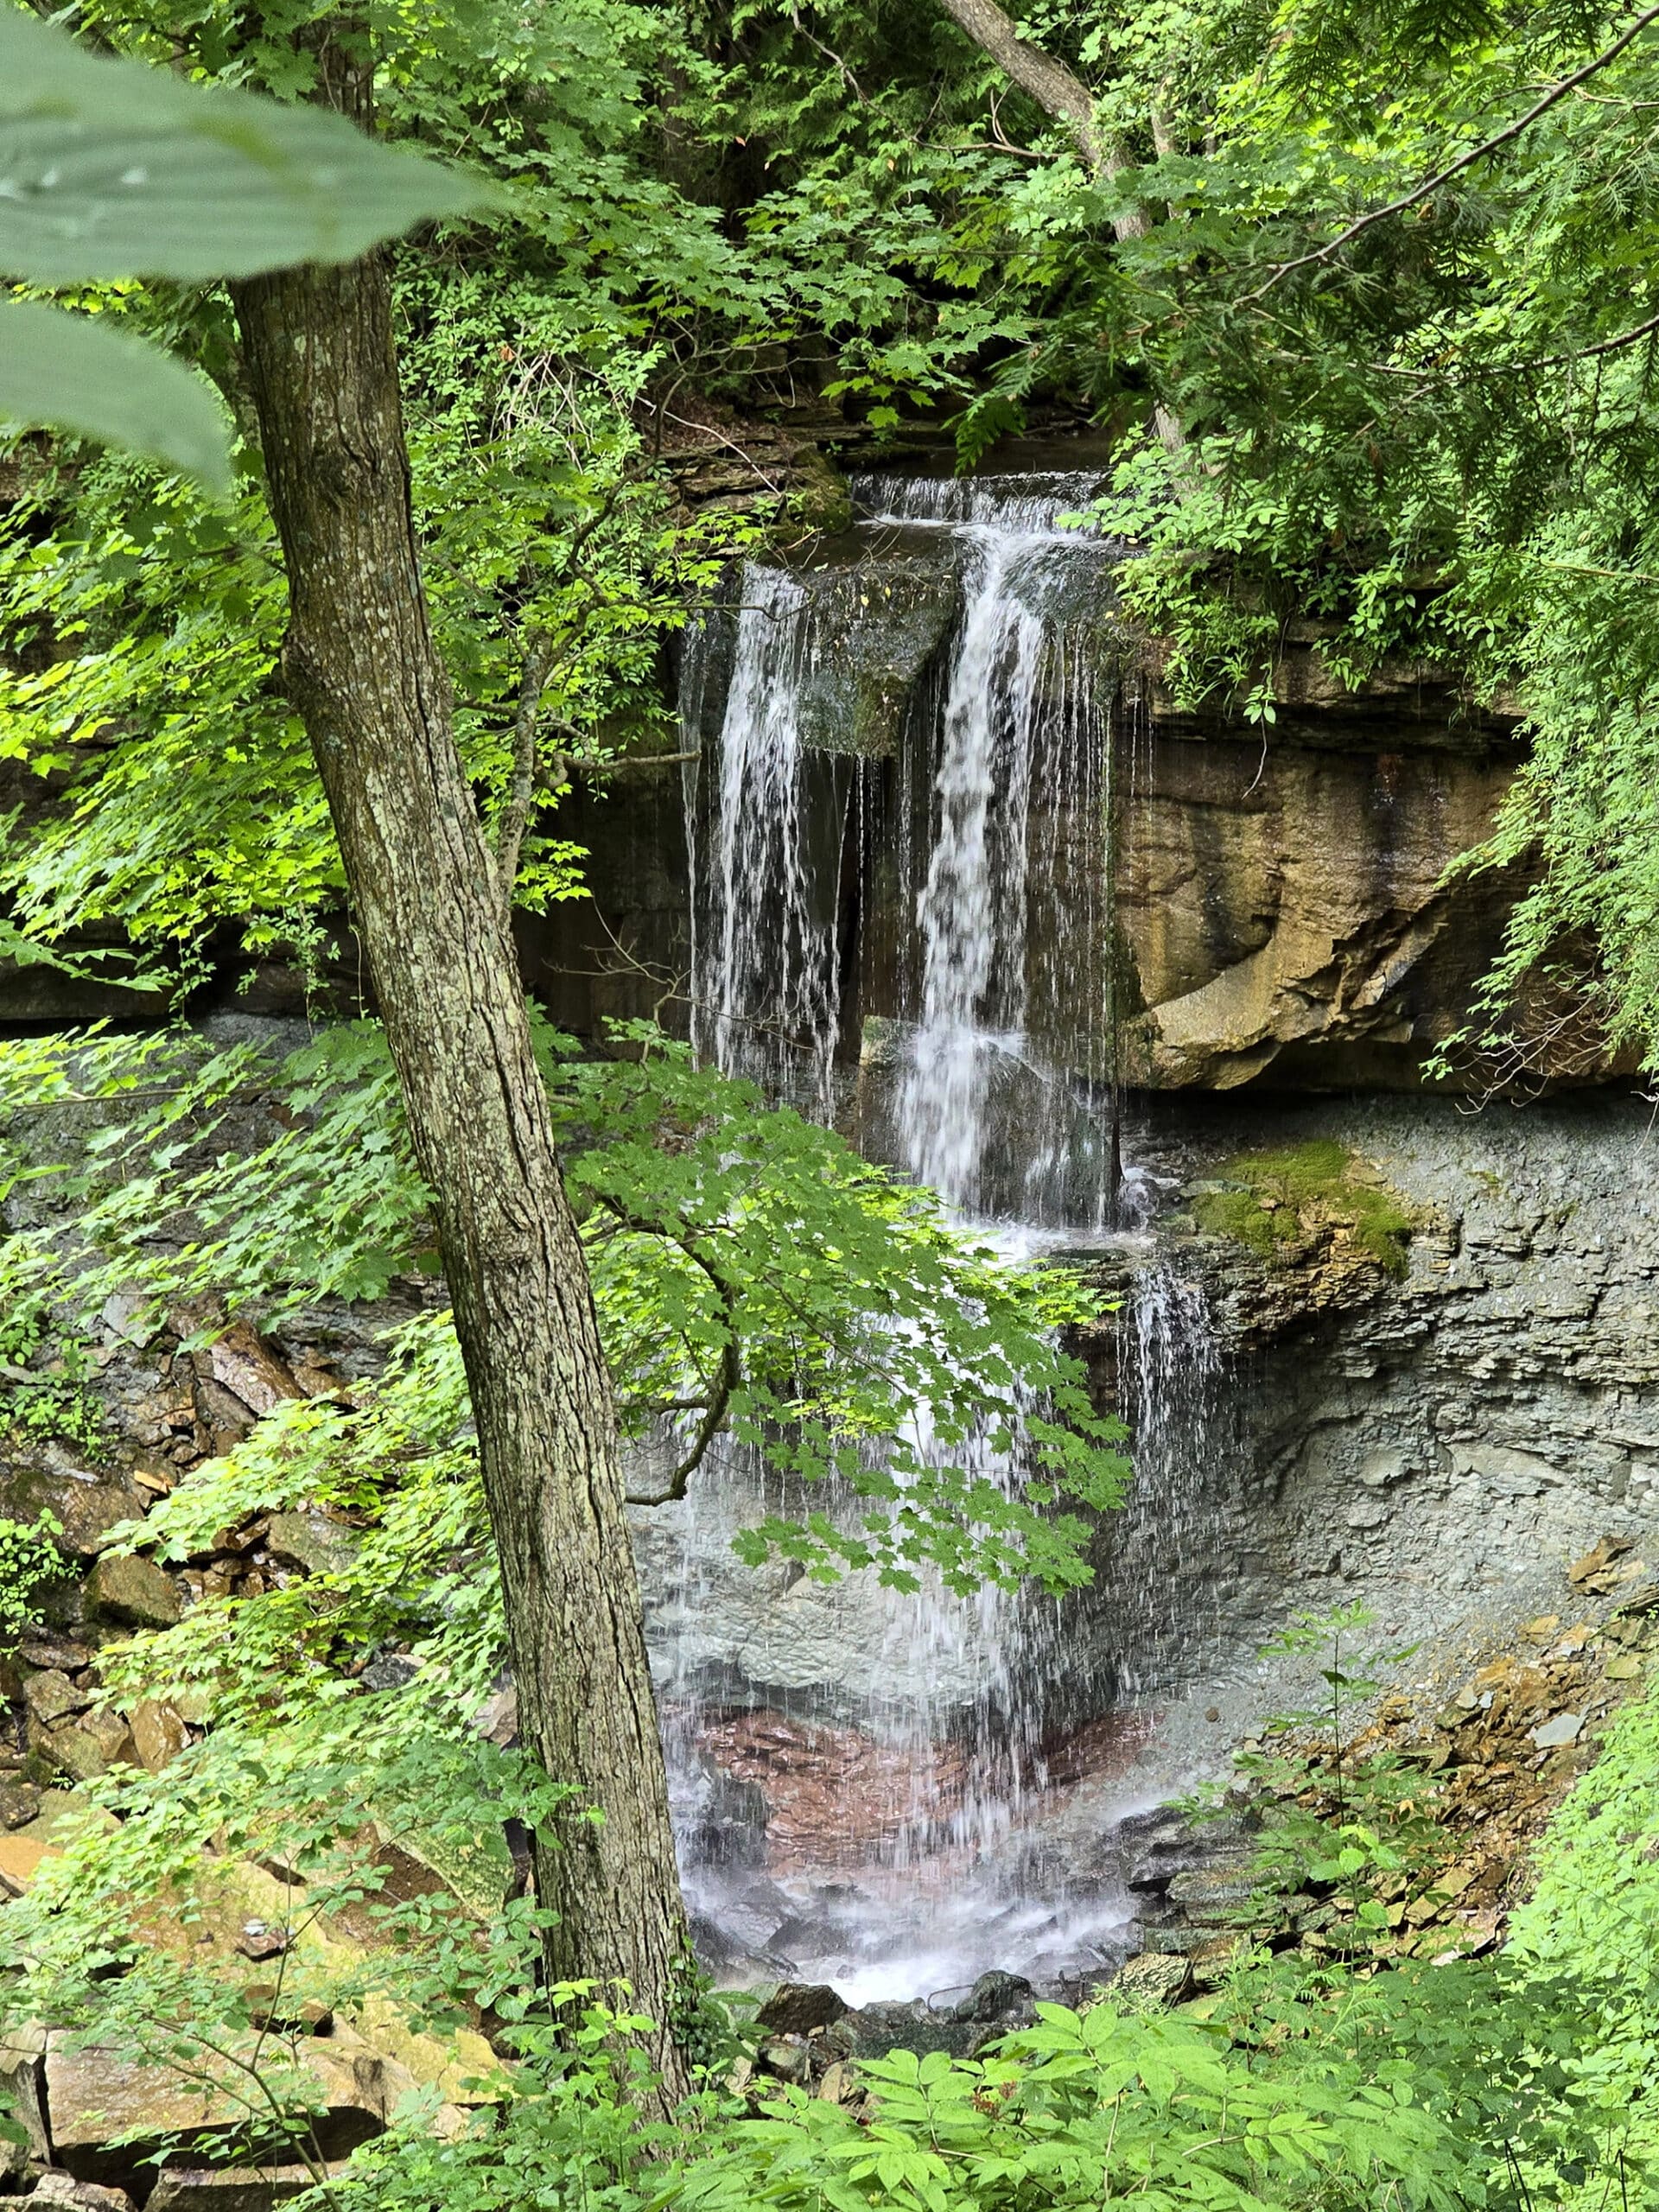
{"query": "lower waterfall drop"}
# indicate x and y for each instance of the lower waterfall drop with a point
(859, 1774)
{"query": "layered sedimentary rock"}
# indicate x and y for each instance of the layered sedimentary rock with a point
(1285, 898)
(1439, 1442)
(1286, 908)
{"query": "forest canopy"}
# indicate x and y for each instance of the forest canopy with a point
(1385, 268)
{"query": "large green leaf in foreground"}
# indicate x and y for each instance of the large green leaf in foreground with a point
(112, 168)
(77, 375)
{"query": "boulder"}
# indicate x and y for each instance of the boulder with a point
(20, 1862)
(310, 1539)
(795, 2008)
(993, 1995)
(840, 2083)
(246, 1365)
(56, 1651)
(52, 1697)
(87, 1505)
(233, 2189)
(461, 2066)
(1565, 1728)
(1155, 1978)
(158, 1732)
(20, 1801)
(878, 2029)
(136, 1591)
(1213, 1896)
(23, 2048)
(788, 2058)
(90, 1747)
(65, 2193)
(94, 2095)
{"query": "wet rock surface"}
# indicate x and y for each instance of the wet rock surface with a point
(1285, 900)
(1439, 1443)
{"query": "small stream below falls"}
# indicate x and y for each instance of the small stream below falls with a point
(911, 759)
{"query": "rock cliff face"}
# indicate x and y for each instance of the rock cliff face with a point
(1283, 896)
(1309, 1427)
(1438, 1445)
(1284, 912)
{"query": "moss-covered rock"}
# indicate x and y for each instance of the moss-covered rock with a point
(1279, 1202)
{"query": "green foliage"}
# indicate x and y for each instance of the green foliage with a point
(1343, 1825)
(29, 1560)
(752, 1275)
(48, 1381)
(1086, 2109)
(1280, 1197)
(1592, 1918)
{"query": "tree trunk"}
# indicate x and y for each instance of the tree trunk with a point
(1060, 92)
(360, 666)
(1056, 89)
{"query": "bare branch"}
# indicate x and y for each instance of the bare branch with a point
(730, 1378)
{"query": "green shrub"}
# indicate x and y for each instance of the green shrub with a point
(29, 1558)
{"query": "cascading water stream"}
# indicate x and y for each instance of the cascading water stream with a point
(767, 996)
(1023, 754)
(897, 1779)
(948, 1077)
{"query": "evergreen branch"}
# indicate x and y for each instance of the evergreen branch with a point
(1511, 131)
(1585, 353)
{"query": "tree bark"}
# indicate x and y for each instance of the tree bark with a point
(363, 671)
(1056, 90)
(1060, 92)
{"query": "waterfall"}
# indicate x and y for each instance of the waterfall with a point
(946, 896)
(949, 1066)
(1000, 804)
(765, 984)
(1002, 1061)
(1169, 1395)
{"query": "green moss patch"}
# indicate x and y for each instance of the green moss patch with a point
(1305, 1194)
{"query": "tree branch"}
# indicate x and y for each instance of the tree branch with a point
(1059, 92)
(1580, 352)
(730, 1375)
(1054, 87)
(1511, 131)
(521, 792)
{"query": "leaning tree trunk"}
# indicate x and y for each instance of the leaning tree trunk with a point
(361, 669)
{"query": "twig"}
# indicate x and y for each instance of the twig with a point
(1602, 346)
